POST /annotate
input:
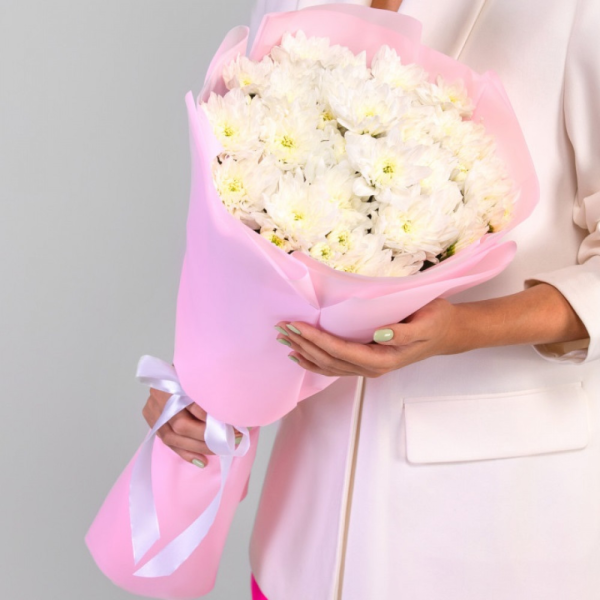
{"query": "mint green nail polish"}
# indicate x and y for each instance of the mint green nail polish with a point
(293, 358)
(285, 342)
(294, 329)
(281, 330)
(198, 463)
(383, 335)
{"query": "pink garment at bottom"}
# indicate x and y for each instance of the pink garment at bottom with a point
(256, 593)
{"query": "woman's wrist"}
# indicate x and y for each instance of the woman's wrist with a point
(537, 315)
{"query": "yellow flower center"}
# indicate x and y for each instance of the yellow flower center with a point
(235, 185)
(274, 239)
(228, 131)
(287, 142)
(350, 268)
(369, 112)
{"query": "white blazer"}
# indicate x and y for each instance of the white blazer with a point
(474, 476)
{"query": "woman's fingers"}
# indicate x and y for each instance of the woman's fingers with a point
(187, 448)
(323, 358)
(320, 358)
(310, 366)
(170, 434)
(184, 432)
(368, 359)
(197, 411)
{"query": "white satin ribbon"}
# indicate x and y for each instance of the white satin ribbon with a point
(219, 437)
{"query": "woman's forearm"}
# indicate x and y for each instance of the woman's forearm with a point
(537, 315)
(387, 4)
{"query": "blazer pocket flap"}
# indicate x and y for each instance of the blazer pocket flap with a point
(478, 427)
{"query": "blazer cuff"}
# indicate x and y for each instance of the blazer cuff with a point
(580, 285)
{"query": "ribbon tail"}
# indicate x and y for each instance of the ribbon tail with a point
(142, 509)
(170, 558)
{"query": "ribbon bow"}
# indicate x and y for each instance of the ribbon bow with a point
(219, 437)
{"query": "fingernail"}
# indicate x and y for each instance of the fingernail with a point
(198, 462)
(281, 330)
(293, 358)
(383, 335)
(294, 329)
(284, 341)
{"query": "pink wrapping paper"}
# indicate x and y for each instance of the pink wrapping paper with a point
(235, 286)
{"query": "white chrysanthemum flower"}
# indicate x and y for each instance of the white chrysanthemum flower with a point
(340, 57)
(331, 151)
(471, 228)
(488, 188)
(469, 143)
(337, 144)
(337, 181)
(248, 75)
(323, 252)
(342, 239)
(387, 67)
(416, 227)
(384, 163)
(403, 265)
(417, 125)
(287, 83)
(496, 207)
(445, 125)
(375, 264)
(446, 198)
(325, 117)
(242, 183)
(441, 163)
(301, 210)
(301, 51)
(335, 83)
(236, 121)
(364, 253)
(276, 237)
(500, 214)
(291, 137)
(369, 107)
(447, 95)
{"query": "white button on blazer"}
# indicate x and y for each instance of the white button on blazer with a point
(474, 476)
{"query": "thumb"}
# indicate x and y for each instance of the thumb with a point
(398, 334)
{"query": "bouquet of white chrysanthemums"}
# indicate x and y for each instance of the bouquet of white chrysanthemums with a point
(330, 166)
(371, 170)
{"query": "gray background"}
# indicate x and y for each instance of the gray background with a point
(94, 181)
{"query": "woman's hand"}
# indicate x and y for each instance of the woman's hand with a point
(427, 332)
(183, 433)
(537, 315)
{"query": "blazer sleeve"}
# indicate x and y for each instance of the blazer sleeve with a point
(580, 283)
